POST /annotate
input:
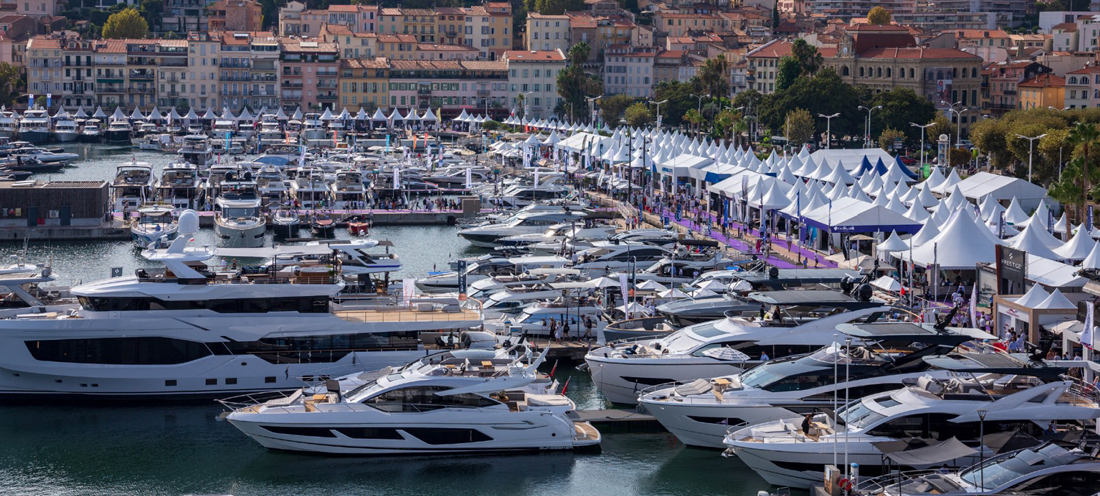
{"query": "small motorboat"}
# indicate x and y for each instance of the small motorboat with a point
(358, 225)
(285, 223)
(322, 226)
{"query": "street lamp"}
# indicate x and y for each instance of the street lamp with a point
(658, 104)
(828, 128)
(981, 445)
(591, 107)
(958, 122)
(701, 97)
(526, 104)
(1030, 151)
(867, 139)
(922, 133)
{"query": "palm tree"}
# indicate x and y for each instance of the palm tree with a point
(809, 59)
(694, 118)
(1084, 134)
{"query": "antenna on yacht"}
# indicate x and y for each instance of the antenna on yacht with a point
(847, 427)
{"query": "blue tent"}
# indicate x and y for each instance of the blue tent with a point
(880, 168)
(911, 174)
(864, 166)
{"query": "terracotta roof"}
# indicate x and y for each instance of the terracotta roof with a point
(338, 29)
(444, 48)
(391, 11)
(535, 56)
(418, 12)
(396, 38)
(917, 53)
(484, 65)
(8, 19)
(297, 45)
(536, 15)
(1065, 26)
(1095, 69)
(773, 50)
(671, 54)
(344, 8)
(1044, 81)
(968, 34)
(372, 63)
(450, 11)
(425, 64)
(46, 43)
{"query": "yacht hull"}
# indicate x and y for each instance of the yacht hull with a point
(706, 426)
(66, 136)
(621, 381)
(117, 137)
(240, 237)
(285, 230)
(35, 137)
(90, 138)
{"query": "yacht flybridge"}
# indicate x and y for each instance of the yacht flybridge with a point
(452, 402)
(943, 415)
(699, 412)
(189, 330)
(786, 323)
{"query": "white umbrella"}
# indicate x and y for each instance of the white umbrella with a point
(651, 285)
(740, 285)
(633, 307)
(672, 293)
(603, 282)
(887, 283)
(712, 285)
(703, 293)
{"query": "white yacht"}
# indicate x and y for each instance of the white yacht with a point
(605, 257)
(1049, 468)
(521, 196)
(8, 125)
(944, 414)
(118, 132)
(285, 223)
(196, 149)
(188, 330)
(180, 185)
(92, 131)
(699, 412)
(35, 126)
(573, 233)
(224, 129)
(313, 130)
(483, 268)
(156, 225)
(238, 222)
(452, 402)
(64, 130)
(310, 188)
(270, 132)
(486, 236)
(535, 319)
(787, 323)
(348, 187)
(132, 185)
(677, 269)
(271, 184)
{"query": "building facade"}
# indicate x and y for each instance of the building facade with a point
(534, 76)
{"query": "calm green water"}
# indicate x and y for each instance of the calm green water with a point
(182, 449)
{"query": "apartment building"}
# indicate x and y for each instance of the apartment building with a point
(534, 75)
(172, 73)
(201, 90)
(629, 71)
(1083, 88)
(1042, 91)
(309, 74)
(547, 32)
(364, 83)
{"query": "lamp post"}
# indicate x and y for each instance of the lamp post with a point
(658, 104)
(867, 138)
(981, 446)
(922, 133)
(733, 134)
(958, 121)
(828, 129)
(1030, 150)
(701, 97)
(591, 107)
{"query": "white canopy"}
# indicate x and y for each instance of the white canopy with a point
(887, 283)
(210, 115)
(955, 247)
(892, 244)
(99, 113)
(1033, 297)
(136, 115)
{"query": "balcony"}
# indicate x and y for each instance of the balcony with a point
(423, 91)
(1008, 92)
(262, 93)
(291, 84)
(173, 62)
(264, 77)
(142, 74)
(482, 92)
(110, 88)
(231, 77)
(238, 63)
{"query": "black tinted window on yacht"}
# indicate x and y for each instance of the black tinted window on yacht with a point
(318, 304)
(118, 351)
(420, 398)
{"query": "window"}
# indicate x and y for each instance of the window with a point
(118, 351)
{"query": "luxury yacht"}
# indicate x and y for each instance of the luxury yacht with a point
(118, 132)
(348, 189)
(313, 131)
(64, 130)
(224, 129)
(785, 323)
(451, 402)
(8, 125)
(677, 269)
(180, 185)
(572, 233)
(270, 133)
(155, 226)
(92, 131)
(942, 414)
(35, 126)
(1049, 468)
(196, 149)
(237, 220)
(521, 196)
(309, 188)
(699, 412)
(605, 257)
(271, 183)
(132, 185)
(523, 223)
(483, 268)
(188, 330)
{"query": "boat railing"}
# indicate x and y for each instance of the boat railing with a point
(878, 484)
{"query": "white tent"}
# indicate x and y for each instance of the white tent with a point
(650, 285)
(892, 244)
(191, 115)
(672, 293)
(118, 115)
(1092, 261)
(1056, 301)
(99, 113)
(887, 283)
(1077, 248)
(1015, 213)
(955, 247)
(984, 184)
(210, 115)
(1033, 297)
(136, 115)
(1031, 241)
(854, 216)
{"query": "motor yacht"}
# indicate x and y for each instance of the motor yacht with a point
(486, 236)
(196, 149)
(786, 323)
(35, 126)
(1048, 468)
(700, 411)
(187, 330)
(156, 226)
(270, 132)
(285, 223)
(348, 189)
(9, 126)
(512, 303)
(132, 185)
(535, 319)
(224, 129)
(237, 220)
(322, 225)
(521, 196)
(180, 185)
(118, 132)
(64, 130)
(313, 130)
(605, 257)
(530, 277)
(452, 402)
(309, 188)
(942, 415)
(572, 233)
(679, 269)
(271, 184)
(483, 268)
(92, 132)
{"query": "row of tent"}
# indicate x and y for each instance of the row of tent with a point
(156, 115)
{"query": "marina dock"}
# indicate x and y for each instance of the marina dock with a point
(615, 420)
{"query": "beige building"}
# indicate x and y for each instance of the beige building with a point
(201, 90)
(534, 75)
(547, 32)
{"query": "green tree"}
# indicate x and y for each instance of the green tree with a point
(809, 60)
(638, 115)
(879, 16)
(807, 93)
(694, 118)
(900, 108)
(612, 107)
(714, 77)
(126, 24)
(789, 70)
(574, 85)
(958, 157)
(12, 84)
(800, 126)
(1083, 135)
(677, 98)
(887, 136)
(1055, 149)
(942, 125)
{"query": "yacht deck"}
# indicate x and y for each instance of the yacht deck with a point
(411, 314)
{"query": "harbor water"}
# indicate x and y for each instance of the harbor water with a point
(174, 449)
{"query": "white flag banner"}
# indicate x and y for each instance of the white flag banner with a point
(974, 306)
(536, 178)
(1087, 334)
(396, 178)
(408, 290)
(469, 178)
(624, 292)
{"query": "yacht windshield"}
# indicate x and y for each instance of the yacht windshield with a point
(1000, 472)
(857, 416)
(239, 212)
(788, 375)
